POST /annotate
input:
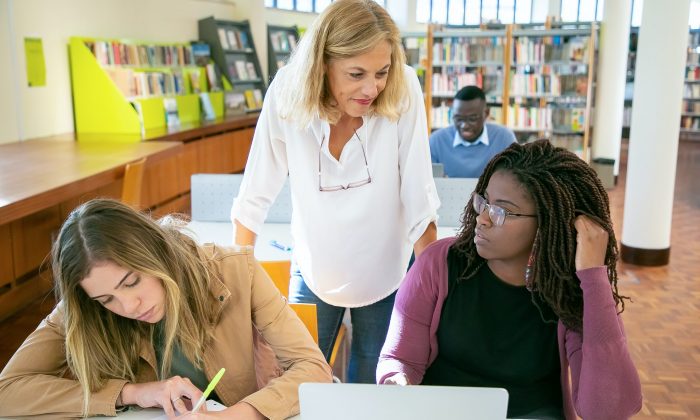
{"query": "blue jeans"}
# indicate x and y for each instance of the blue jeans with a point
(369, 327)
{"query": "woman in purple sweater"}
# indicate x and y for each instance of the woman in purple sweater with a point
(524, 297)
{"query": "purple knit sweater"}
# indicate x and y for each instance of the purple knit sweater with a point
(604, 381)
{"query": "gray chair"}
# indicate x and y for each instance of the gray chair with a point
(213, 194)
(454, 194)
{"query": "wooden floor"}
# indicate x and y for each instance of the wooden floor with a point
(662, 323)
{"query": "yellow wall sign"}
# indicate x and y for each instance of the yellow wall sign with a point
(36, 68)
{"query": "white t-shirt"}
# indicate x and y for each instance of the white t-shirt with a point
(352, 246)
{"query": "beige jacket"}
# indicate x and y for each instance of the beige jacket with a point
(37, 380)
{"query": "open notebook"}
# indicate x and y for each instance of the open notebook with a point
(381, 402)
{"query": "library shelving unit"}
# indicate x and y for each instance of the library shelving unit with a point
(538, 80)
(127, 87)
(281, 41)
(690, 113)
(465, 57)
(415, 45)
(550, 86)
(233, 52)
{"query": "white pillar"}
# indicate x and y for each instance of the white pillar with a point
(653, 150)
(610, 84)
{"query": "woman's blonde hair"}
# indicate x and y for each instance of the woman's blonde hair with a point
(101, 345)
(345, 29)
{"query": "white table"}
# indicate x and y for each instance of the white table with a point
(221, 233)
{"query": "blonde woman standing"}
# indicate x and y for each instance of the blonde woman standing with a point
(345, 121)
(146, 317)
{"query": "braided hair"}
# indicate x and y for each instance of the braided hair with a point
(562, 187)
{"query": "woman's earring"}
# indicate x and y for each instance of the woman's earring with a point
(530, 270)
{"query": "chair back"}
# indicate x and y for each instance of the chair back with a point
(279, 273)
(213, 194)
(307, 313)
(133, 182)
(454, 194)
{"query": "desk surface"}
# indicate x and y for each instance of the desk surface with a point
(183, 133)
(43, 172)
(222, 233)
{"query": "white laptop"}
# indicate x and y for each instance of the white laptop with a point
(382, 402)
(438, 170)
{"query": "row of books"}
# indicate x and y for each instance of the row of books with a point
(249, 99)
(547, 84)
(546, 119)
(132, 83)
(691, 107)
(690, 123)
(447, 84)
(234, 103)
(140, 84)
(693, 58)
(242, 70)
(283, 41)
(692, 73)
(536, 51)
(233, 39)
(117, 53)
(691, 90)
(473, 51)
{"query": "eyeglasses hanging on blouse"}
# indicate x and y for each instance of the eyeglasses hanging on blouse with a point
(355, 184)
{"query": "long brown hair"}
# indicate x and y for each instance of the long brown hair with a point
(562, 187)
(101, 345)
(345, 29)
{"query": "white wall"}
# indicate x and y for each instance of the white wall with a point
(43, 111)
(47, 110)
(8, 114)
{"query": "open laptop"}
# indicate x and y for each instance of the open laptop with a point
(382, 402)
(438, 170)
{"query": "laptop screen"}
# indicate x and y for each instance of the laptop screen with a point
(381, 402)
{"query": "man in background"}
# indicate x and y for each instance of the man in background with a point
(467, 146)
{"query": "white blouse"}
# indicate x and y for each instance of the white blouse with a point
(353, 245)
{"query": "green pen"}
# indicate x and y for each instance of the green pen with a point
(209, 389)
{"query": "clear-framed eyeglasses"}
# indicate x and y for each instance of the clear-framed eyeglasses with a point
(497, 214)
(355, 184)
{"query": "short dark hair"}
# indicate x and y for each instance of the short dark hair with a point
(468, 93)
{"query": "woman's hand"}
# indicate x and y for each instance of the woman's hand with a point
(591, 243)
(242, 411)
(397, 379)
(174, 395)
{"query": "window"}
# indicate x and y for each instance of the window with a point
(637, 12)
(476, 12)
(316, 6)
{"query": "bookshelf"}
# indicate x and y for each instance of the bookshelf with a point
(126, 87)
(461, 58)
(415, 46)
(281, 41)
(690, 112)
(537, 81)
(550, 85)
(233, 52)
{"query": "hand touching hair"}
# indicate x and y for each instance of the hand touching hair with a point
(562, 187)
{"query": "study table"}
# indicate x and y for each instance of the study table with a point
(43, 179)
(221, 233)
